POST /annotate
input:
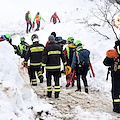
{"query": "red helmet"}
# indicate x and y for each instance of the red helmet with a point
(28, 12)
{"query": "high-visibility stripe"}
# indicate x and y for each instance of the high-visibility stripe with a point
(54, 52)
(35, 64)
(39, 73)
(25, 62)
(49, 88)
(67, 49)
(36, 49)
(57, 88)
(43, 64)
(34, 81)
(53, 67)
(118, 49)
(118, 66)
(116, 100)
(65, 63)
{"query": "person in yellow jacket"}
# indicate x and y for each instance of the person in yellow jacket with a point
(38, 17)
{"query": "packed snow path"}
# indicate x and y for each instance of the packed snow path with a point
(72, 105)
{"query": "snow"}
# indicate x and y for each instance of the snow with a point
(20, 101)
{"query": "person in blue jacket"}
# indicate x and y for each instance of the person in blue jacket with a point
(80, 69)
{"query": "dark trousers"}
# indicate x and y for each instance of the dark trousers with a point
(56, 76)
(81, 72)
(28, 29)
(116, 90)
(38, 26)
(33, 70)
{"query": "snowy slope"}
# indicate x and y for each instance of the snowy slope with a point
(20, 101)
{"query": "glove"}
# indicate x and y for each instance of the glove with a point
(25, 64)
(59, 21)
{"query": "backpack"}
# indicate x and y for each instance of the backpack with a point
(26, 17)
(83, 57)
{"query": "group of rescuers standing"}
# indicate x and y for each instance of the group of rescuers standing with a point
(50, 56)
(31, 22)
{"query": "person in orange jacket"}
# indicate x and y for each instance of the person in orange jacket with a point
(54, 17)
(38, 17)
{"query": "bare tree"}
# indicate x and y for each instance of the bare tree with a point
(107, 12)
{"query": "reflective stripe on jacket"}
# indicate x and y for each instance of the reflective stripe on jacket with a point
(52, 56)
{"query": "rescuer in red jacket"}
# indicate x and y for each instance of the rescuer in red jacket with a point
(54, 18)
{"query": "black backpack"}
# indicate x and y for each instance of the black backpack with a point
(26, 17)
(83, 57)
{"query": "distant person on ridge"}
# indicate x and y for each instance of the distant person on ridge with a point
(28, 19)
(54, 17)
(38, 17)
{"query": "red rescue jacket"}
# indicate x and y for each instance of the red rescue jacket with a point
(54, 17)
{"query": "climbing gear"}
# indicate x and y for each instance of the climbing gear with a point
(92, 69)
(67, 70)
(71, 77)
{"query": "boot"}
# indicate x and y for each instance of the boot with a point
(86, 89)
(56, 94)
(78, 90)
(73, 84)
(67, 85)
(41, 78)
(49, 94)
(116, 108)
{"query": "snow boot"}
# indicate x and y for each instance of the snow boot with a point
(116, 108)
(67, 85)
(49, 94)
(41, 78)
(56, 94)
(86, 89)
(73, 84)
(78, 90)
